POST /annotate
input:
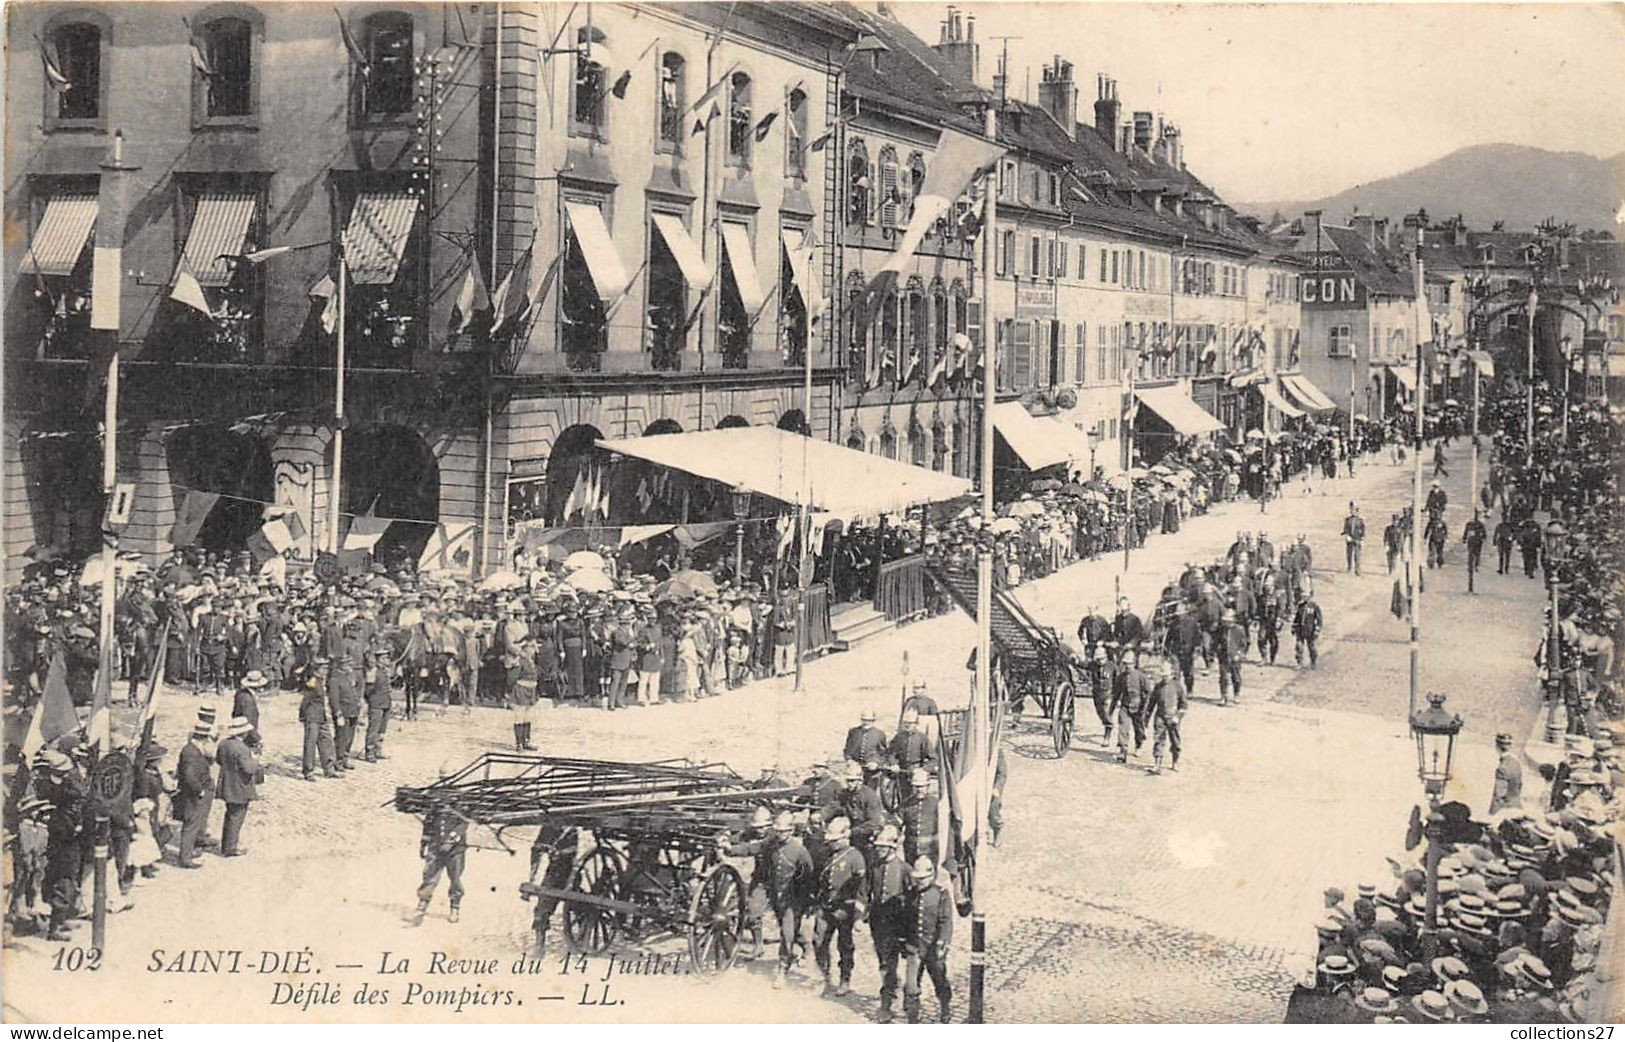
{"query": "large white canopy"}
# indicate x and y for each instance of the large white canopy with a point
(1039, 441)
(769, 461)
(1177, 408)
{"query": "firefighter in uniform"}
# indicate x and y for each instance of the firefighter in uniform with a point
(842, 897)
(909, 750)
(919, 816)
(1128, 704)
(444, 848)
(860, 806)
(929, 923)
(789, 885)
(888, 911)
(1231, 644)
(521, 670)
(866, 742)
(1099, 672)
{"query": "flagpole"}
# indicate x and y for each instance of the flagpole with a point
(333, 494)
(1416, 487)
(486, 526)
(981, 697)
(106, 292)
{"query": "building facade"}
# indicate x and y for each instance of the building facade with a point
(246, 128)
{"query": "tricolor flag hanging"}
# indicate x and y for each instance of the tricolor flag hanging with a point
(54, 715)
(358, 57)
(818, 143)
(509, 300)
(939, 373)
(55, 78)
(471, 298)
(959, 160)
(187, 290)
(450, 548)
(194, 510)
(765, 125)
(577, 496)
(149, 706)
(324, 289)
(366, 530)
(699, 124)
(910, 369)
(710, 92)
(99, 728)
(200, 62)
(622, 81)
(261, 256)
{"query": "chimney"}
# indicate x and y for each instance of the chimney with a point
(1364, 226)
(1379, 232)
(956, 46)
(1107, 109)
(1176, 155)
(1142, 131)
(1459, 230)
(1413, 231)
(1001, 78)
(1125, 138)
(1058, 96)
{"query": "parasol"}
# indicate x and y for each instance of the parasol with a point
(1004, 525)
(501, 580)
(1044, 485)
(684, 585)
(1025, 508)
(126, 567)
(590, 581)
(584, 559)
(1255, 435)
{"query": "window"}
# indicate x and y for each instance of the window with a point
(740, 126)
(1342, 342)
(1035, 266)
(1054, 266)
(223, 67)
(666, 313)
(734, 320)
(73, 73)
(386, 306)
(1060, 268)
(673, 100)
(584, 324)
(589, 107)
(792, 304)
(1102, 265)
(1007, 179)
(1057, 354)
(387, 86)
(890, 192)
(1100, 353)
(859, 188)
(1080, 349)
(1054, 190)
(1141, 283)
(1037, 190)
(1007, 250)
(1115, 274)
(795, 135)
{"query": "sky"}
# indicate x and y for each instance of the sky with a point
(1293, 101)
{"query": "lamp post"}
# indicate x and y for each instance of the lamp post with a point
(741, 510)
(1556, 553)
(1434, 731)
(1131, 362)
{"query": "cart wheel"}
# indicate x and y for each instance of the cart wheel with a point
(1063, 708)
(592, 929)
(716, 920)
(890, 791)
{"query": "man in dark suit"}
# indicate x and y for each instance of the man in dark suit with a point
(239, 772)
(246, 705)
(1168, 704)
(318, 732)
(194, 794)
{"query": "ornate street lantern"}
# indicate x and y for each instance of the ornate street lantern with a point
(1557, 542)
(1435, 731)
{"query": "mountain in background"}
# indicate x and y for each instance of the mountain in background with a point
(1518, 185)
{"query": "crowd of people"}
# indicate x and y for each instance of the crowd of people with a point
(1524, 888)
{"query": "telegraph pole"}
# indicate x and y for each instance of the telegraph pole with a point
(1416, 486)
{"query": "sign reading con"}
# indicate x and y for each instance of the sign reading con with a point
(1336, 289)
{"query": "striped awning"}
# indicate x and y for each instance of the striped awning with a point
(219, 231)
(1273, 398)
(603, 259)
(684, 250)
(62, 233)
(375, 240)
(742, 262)
(1312, 398)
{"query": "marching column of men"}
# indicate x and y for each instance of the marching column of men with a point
(1141, 677)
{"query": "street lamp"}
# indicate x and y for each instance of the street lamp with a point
(1435, 732)
(741, 510)
(1556, 554)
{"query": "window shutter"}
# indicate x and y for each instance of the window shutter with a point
(888, 194)
(1053, 265)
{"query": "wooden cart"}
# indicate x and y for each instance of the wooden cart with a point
(649, 864)
(1030, 660)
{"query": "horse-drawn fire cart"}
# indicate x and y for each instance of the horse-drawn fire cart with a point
(645, 861)
(1031, 660)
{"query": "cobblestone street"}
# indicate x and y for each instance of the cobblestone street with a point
(1114, 895)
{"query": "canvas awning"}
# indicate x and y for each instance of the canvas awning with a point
(801, 270)
(603, 259)
(1405, 375)
(1484, 362)
(62, 233)
(695, 271)
(769, 462)
(375, 238)
(736, 241)
(1302, 388)
(1273, 399)
(219, 231)
(1177, 409)
(1039, 441)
